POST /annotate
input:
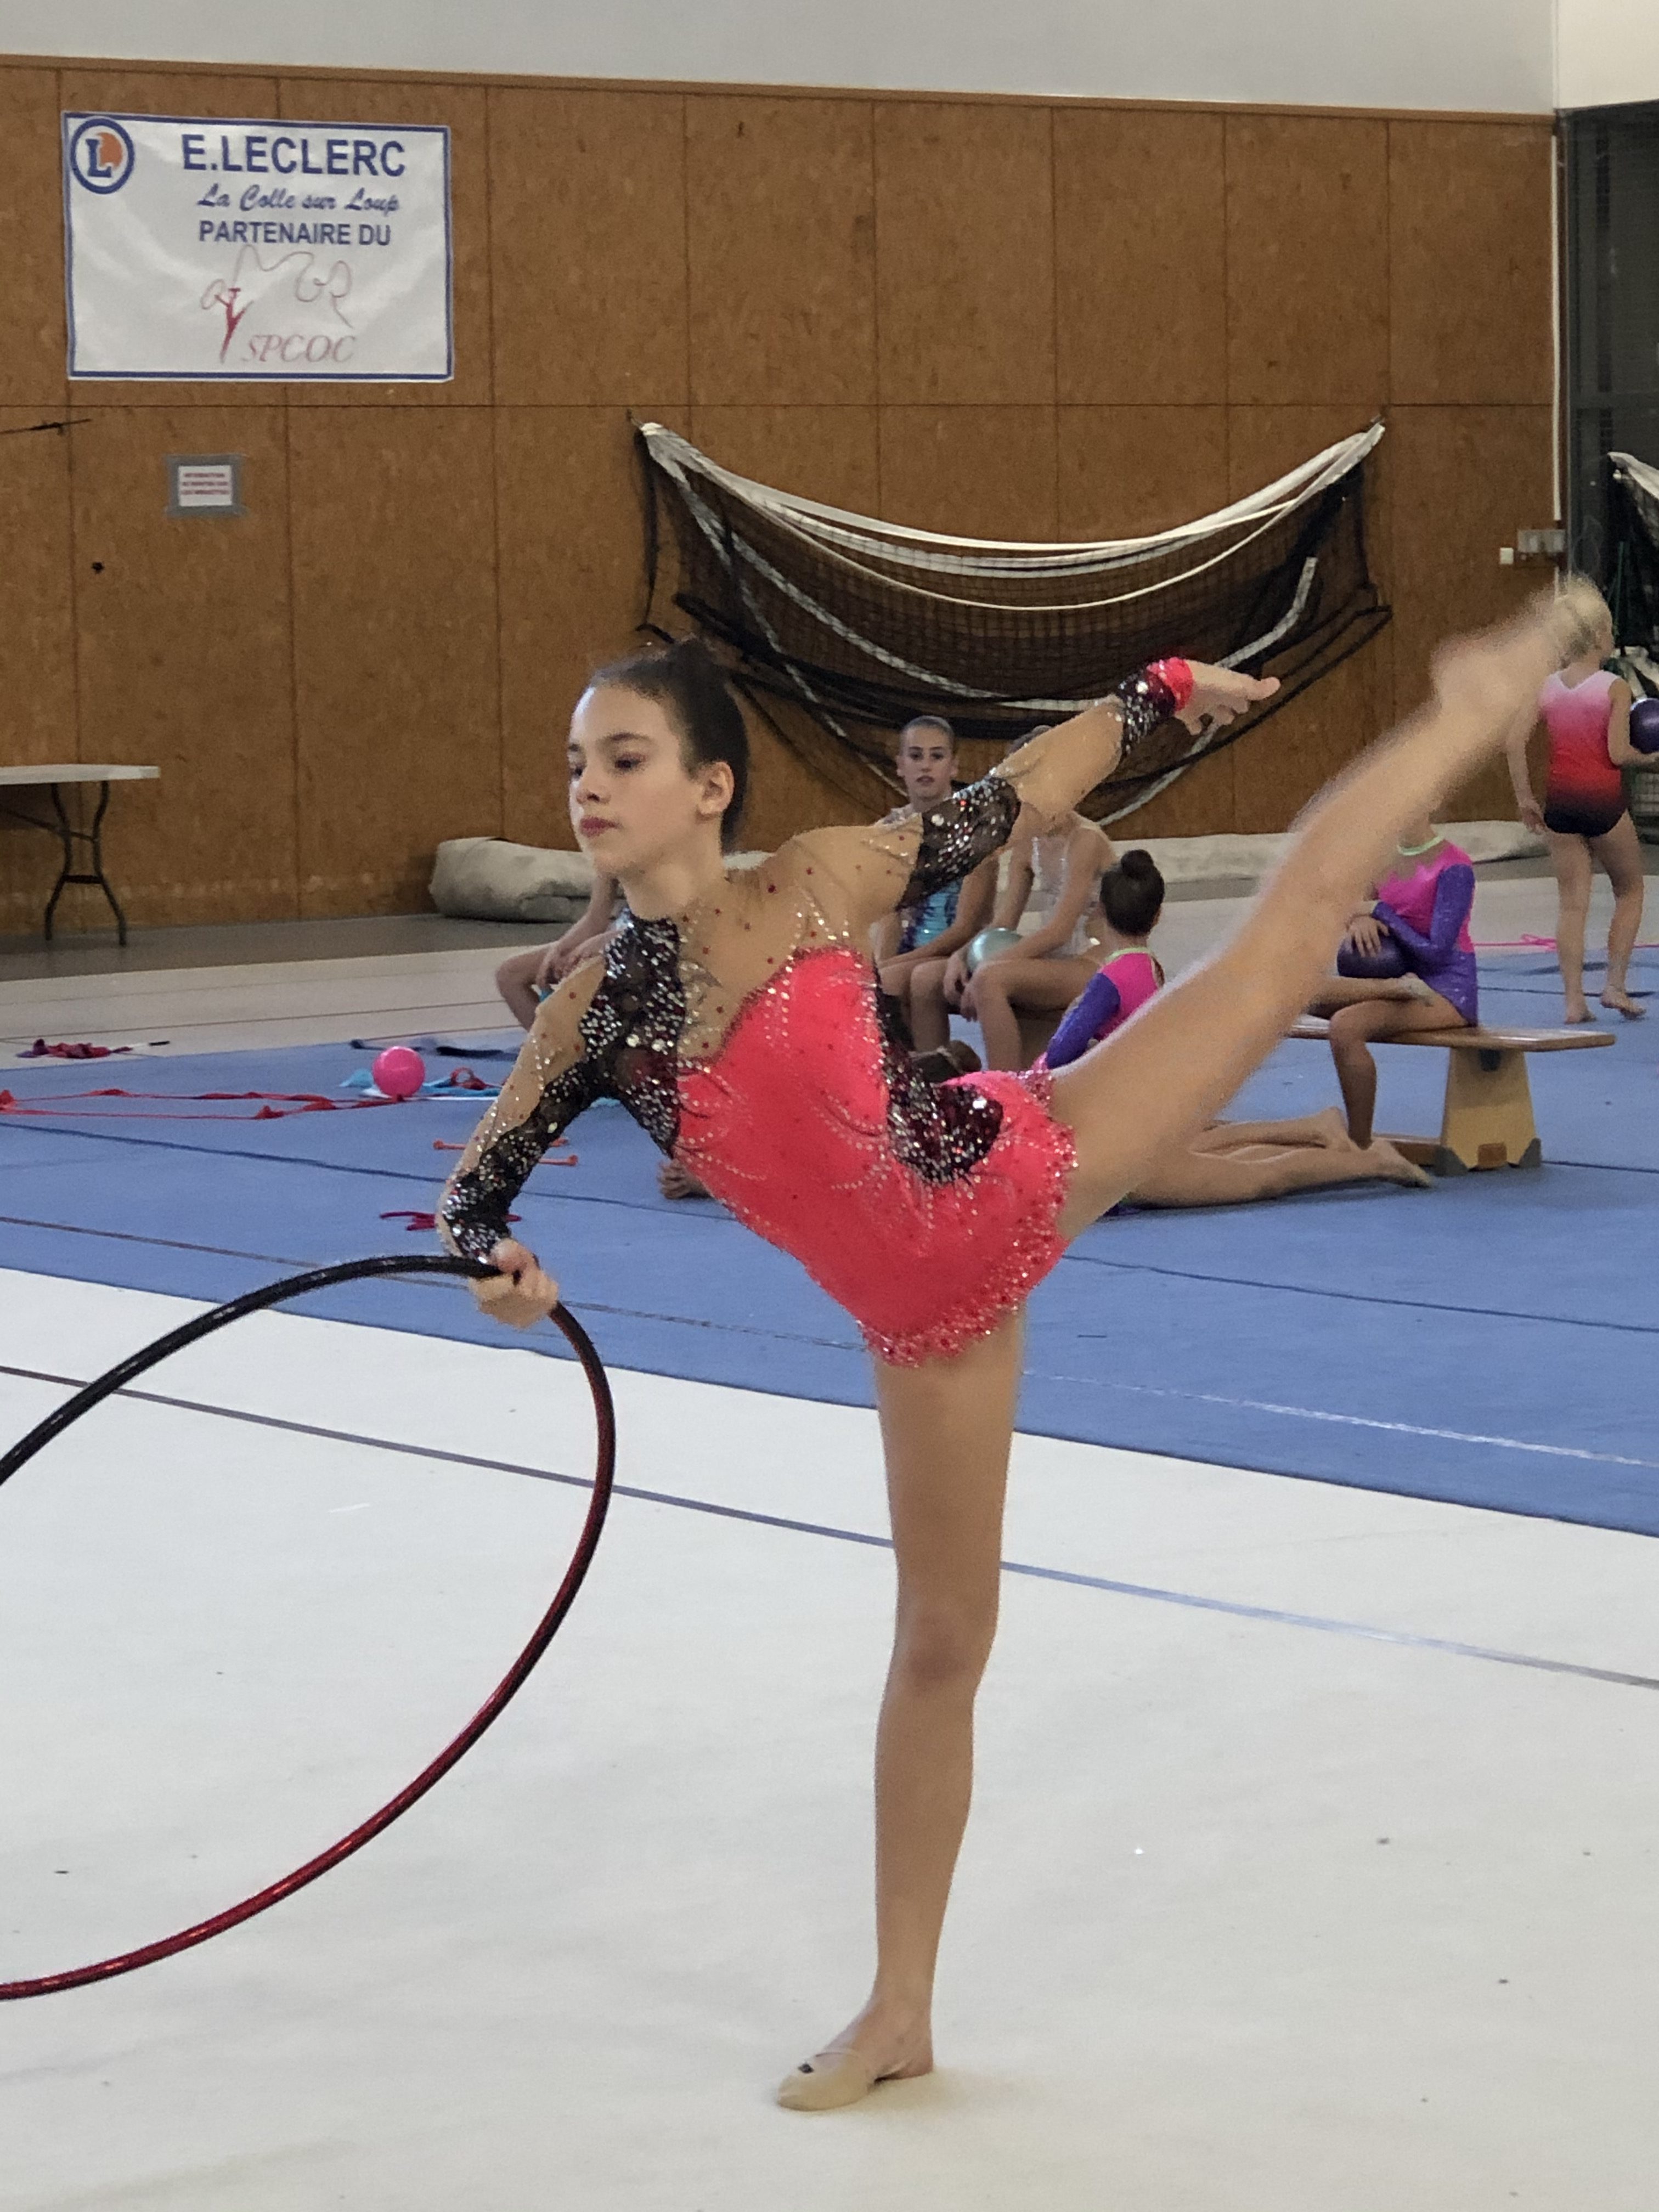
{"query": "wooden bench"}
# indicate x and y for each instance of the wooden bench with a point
(1487, 1119)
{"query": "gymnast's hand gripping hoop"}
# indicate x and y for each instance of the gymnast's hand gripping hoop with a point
(276, 1294)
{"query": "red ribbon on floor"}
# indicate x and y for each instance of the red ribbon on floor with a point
(277, 1107)
(41, 1050)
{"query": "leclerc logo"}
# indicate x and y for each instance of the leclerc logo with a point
(100, 155)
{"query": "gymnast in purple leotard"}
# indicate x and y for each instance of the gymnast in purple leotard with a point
(1427, 913)
(1407, 965)
(1131, 899)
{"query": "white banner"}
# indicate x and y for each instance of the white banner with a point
(290, 253)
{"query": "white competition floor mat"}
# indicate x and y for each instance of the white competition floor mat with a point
(1311, 1865)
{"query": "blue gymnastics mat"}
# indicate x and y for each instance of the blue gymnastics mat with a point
(1484, 1342)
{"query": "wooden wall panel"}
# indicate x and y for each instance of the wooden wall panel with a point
(33, 342)
(396, 665)
(177, 92)
(966, 258)
(786, 796)
(1307, 259)
(570, 537)
(828, 453)
(367, 99)
(1199, 805)
(588, 214)
(36, 632)
(1126, 472)
(1471, 296)
(1140, 255)
(184, 661)
(978, 472)
(1011, 319)
(37, 648)
(1464, 478)
(780, 236)
(1278, 767)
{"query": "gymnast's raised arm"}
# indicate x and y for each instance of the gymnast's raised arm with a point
(894, 864)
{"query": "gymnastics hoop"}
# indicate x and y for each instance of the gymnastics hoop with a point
(275, 1294)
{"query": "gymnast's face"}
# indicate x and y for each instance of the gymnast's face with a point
(635, 802)
(925, 762)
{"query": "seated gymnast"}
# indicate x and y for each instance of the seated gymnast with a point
(734, 1016)
(1407, 965)
(913, 946)
(1231, 1163)
(525, 980)
(1054, 869)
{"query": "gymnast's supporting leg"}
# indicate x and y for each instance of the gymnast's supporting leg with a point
(1170, 1071)
(1574, 871)
(946, 1429)
(1620, 854)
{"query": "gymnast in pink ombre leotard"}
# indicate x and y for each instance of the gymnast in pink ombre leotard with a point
(1426, 910)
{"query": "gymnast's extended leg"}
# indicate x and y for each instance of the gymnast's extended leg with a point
(1169, 1072)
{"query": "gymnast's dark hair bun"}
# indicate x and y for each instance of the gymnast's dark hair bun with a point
(1132, 894)
(689, 685)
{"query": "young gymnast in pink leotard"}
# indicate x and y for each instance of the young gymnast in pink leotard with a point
(736, 1018)
(1586, 711)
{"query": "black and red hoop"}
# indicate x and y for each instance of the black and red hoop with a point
(192, 1332)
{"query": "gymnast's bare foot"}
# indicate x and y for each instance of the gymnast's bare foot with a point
(1578, 1012)
(1333, 1126)
(675, 1182)
(885, 2043)
(1393, 1166)
(1620, 1002)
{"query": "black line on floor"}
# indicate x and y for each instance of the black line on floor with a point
(1237, 1609)
(1350, 1297)
(417, 1283)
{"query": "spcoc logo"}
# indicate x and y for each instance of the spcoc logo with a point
(100, 155)
(270, 347)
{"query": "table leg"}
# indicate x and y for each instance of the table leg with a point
(66, 839)
(93, 840)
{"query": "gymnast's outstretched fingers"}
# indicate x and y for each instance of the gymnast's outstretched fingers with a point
(519, 1292)
(1219, 696)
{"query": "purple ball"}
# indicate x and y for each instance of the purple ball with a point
(1644, 725)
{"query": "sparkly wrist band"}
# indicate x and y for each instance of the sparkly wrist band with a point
(1152, 695)
(1178, 679)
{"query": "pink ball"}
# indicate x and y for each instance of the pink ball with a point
(398, 1071)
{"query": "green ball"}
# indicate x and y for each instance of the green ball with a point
(989, 944)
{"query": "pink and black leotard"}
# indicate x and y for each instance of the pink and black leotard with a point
(1426, 912)
(745, 1036)
(1584, 792)
(1118, 986)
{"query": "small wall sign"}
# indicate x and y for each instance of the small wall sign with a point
(204, 483)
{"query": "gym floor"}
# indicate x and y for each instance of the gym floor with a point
(1312, 1858)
